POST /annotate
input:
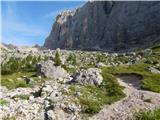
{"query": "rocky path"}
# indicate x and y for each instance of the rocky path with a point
(135, 100)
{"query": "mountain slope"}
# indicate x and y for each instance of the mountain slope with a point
(107, 25)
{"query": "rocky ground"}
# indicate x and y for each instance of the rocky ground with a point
(135, 99)
(74, 85)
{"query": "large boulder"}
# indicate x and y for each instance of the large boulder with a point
(48, 70)
(91, 76)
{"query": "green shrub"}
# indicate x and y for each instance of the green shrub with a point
(57, 60)
(21, 84)
(11, 82)
(22, 96)
(90, 106)
(148, 115)
(19, 65)
(72, 59)
(10, 67)
(100, 58)
(110, 84)
(69, 70)
(9, 118)
(3, 102)
(150, 81)
(93, 98)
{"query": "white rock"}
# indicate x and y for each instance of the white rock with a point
(47, 69)
(91, 76)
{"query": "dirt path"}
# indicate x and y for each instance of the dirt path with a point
(135, 99)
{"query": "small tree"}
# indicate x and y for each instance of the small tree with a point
(57, 60)
(72, 59)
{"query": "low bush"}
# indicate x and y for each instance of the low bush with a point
(22, 96)
(9, 118)
(12, 82)
(150, 81)
(57, 60)
(93, 98)
(72, 59)
(19, 65)
(3, 102)
(148, 115)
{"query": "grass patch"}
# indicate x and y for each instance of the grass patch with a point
(151, 81)
(9, 118)
(69, 70)
(156, 47)
(22, 96)
(3, 102)
(14, 65)
(93, 98)
(11, 81)
(121, 59)
(148, 115)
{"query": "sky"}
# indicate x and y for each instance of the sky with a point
(29, 22)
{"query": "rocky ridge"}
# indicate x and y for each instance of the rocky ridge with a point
(107, 25)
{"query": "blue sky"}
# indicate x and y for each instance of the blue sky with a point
(30, 22)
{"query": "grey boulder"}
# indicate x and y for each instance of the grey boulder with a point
(91, 76)
(48, 70)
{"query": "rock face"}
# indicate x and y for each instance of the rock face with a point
(107, 25)
(47, 69)
(91, 76)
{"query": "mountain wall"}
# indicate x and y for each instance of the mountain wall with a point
(107, 25)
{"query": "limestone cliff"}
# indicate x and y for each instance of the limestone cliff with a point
(107, 25)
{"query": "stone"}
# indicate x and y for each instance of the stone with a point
(62, 105)
(31, 98)
(58, 49)
(100, 64)
(46, 103)
(71, 108)
(77, 93)
(147, 52)
(91, 76)
(55, 96)
(47, 88)
(153, 70)
(27, 80)
(47, 69)
(51, 115)
(73, 118)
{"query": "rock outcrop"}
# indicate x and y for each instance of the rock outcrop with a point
(107, 25)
